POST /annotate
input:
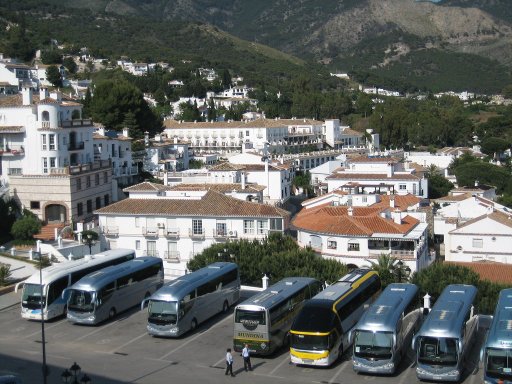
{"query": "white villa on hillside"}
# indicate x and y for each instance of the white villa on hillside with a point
(176, 225)
(355, 228)
(376, 174)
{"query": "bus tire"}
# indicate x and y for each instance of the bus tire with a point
(193, 325)
(225, 306)
(112, 313)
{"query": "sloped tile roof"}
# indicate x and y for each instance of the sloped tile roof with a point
(146, 186)
(227, 166)
(372, 176)
(497, 216)
(211, 204)
(491, 271)
(376, 159)
(223, 188)
(364, 221)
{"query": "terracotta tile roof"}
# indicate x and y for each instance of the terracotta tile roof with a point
(146, 186)
(376, 159)
(365, 221)
(226, 166)
(223, 188)
(212, 204)
(461, 197)
(491, 271)
(372, 176)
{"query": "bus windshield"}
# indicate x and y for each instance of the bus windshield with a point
(499, 364)
(373, 344)
(310, 343)
(81, 301)
(250, 318)
(162, 312)
(314, 319)
(437, 351)
(32, 296)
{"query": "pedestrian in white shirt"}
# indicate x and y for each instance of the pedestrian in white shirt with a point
(229, 362)
(246, 354)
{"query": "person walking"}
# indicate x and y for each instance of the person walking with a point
(229, 362)
(246, 354)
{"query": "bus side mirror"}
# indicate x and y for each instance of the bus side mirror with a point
(17, 286)
(482, 355)
(350, 336)
(413, 344)
(65, 294)
(143, 304)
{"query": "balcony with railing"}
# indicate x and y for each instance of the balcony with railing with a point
(220, 233)
(12, 150)
(76, 123)
(81, 168)
(172, 256)
(76, 146)
(172, 233)
(111, 230)
(150, 231)
(196, 234)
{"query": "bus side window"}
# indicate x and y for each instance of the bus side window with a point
(123, 282)
(106, 292)
(55, 289)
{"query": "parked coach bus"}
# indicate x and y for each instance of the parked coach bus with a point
(445, 337)
(187, 301)
(102, 294)
(264, 320)
(319, 333)
(58, 277)
(497, 352)
(384, 333)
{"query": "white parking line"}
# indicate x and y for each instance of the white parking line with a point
(286, 359)
(46, 327)
(128, 343)
(196, 337)
(96, 331)
(339, 371)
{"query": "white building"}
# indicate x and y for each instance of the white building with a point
(165, 155)
(47, 157)
(280, 134)
(176, 226)
(355, 228)
(378, 174)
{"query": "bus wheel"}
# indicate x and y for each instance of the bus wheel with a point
(112, 313)
(193, 325)
(225, 306)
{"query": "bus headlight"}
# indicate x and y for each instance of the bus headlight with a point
(388, 366)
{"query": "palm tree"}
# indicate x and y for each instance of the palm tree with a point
(5, 273)
(387, 268)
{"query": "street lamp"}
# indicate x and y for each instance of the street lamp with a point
(72, 375)
(400, 269)
(90, 242)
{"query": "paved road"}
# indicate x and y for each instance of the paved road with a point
(120, 351)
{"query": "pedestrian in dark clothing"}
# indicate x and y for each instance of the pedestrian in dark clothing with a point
(229, 362)
(246, 354)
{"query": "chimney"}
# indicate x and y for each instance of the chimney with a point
(146, 138)
(43, 93)
(243, 180)
(392, 202)
(158, 137)
(175, 140)
(397, 216)
(350, 211)
(126, 132)
(101, 131)
(476, 183)
(390, 170)
(166, 178)
(26, 93)
(56, 95)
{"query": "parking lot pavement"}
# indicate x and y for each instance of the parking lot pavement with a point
(121, 351)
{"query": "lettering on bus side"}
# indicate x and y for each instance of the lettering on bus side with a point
(250, 335)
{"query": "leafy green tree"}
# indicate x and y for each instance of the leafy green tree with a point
(226, 79)
(17, 44)
(5, 274)
(507, 91)
(277, 256)
(494, 146)
(195, 164)
(53, 76)
(115, 100)
(438, 185)
(189, 112)
(70, 64)
(26, 227)
(8, 212)
(469, 173)
(387, 268)
(51, 56)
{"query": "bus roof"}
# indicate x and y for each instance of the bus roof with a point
(344, 285)
(181, 286)
(58, 270)
(278, 292)
(385, 312)
(99, 279)
(449, 311)
(500, 333)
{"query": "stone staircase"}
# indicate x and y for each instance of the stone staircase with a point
(47, 232)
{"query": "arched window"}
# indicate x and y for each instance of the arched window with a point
(45, 116)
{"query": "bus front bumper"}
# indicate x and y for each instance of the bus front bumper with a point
(85, 318)
(438, 374)
(163, 330)
(320, 358)
(380, 367)
(35, 314)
